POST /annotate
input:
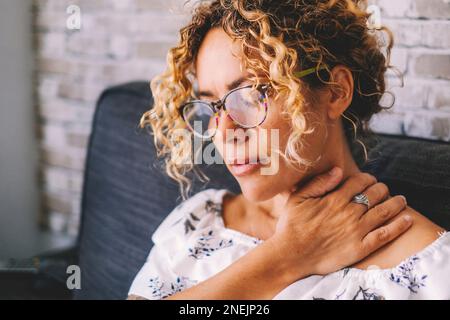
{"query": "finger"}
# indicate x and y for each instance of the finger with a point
(376, 193)
(319, 185)
(353, 185)
(383, 212)
(385, 234)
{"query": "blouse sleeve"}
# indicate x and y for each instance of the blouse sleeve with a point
(153, 280)
(156, 280)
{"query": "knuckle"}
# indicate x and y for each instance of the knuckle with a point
(366, 248)
(377, 190)
(383, 212)
(334, 201)
(405, 222)
(384, 189)
(383, 234)
(367, 178)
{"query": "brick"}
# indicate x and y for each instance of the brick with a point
(62, 180)
(406, 32)
(132, 70)
(425, 124)
(83, 44)
(73, 222)
(78, 135)
(77, 91)
(399, 59)
(168, 6)
(435, 65)
(124, 5)
(90, 6)
(65, 111)
(155, 26)
(429, 9)
(152, 5)
(69, 158)
(119, 47)
(394, 8)
(58, 202)
(436, 34)
(53, 65)
(53, 135)
(413, 95)
(56, 178)
(111, 24)
(77, 140)
(51, 5)
(47, 86)
(57, 221)
(439, 95)
(50, 21)
(152, 49)
(387, 122)
(50, 44)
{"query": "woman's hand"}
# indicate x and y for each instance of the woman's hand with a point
(321, 230)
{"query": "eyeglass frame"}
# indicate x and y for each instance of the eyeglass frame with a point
(221, 102)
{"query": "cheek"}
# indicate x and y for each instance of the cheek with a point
(277, 126)
(312, 144)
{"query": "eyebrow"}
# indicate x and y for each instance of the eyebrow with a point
(234, 84)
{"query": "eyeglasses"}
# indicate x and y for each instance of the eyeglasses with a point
(246, 106)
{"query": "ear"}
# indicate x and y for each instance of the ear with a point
(341, 89)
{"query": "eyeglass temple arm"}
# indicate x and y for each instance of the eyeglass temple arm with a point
(306, 72)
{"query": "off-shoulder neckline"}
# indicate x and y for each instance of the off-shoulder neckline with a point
(218, 199)
(443, 239)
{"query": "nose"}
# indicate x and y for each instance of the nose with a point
(226, 129)
(224, 121)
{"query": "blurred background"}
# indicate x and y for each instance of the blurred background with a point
(57, 56)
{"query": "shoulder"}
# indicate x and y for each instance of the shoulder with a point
(183, 218)
(422, 234)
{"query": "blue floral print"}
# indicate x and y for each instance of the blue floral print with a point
(204, 246)
(189, 223)
(161, 291)
(404, 275)
(360, 294)
(213, 207)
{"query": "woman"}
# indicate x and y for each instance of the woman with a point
(313, 72)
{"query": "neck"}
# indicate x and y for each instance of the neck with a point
(339, 155)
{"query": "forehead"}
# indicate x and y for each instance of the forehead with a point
(218, 61)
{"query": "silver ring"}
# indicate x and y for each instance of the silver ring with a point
(362, 199)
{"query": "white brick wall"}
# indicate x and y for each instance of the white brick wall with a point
(422, 51)
(119, 41)
(123, 40)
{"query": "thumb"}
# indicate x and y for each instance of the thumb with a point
(320, 184)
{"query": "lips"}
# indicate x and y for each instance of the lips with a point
(239, 167)
(244, 169)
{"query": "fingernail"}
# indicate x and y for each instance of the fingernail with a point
(407, 218)
(334, 171)
(404, 199)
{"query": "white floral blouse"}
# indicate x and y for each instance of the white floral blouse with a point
(192, 244)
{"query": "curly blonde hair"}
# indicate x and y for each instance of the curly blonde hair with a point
(277, 39)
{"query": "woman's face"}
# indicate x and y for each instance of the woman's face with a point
(218, 65)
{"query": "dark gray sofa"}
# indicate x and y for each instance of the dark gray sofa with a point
(126, 195)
